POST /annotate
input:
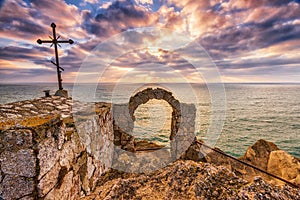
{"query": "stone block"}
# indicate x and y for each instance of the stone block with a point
(63, 190)
(21, 163)
(48, 182)
(14, 187)
(48, 156)
(12, 140)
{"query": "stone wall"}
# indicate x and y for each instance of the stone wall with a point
(182, 127)
(144, 96)
(54, 148)
(43, 156)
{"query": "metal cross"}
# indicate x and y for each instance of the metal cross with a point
(56, 42)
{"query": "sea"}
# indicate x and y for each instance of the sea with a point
(252, 111)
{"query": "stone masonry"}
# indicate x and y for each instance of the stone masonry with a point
(54, 148)
(182, 124)
(42, 155)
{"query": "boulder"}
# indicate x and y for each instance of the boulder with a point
(194, 153)
(258, 153)
(283, 165)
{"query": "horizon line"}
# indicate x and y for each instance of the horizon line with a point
(15, 83)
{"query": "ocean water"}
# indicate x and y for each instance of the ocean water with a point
(253, 111)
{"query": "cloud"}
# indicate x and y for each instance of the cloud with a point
(15, 53)
(119, 16)
(17, 22)
(31, 21)
(149, 2)
(241, 36)
(91, 1)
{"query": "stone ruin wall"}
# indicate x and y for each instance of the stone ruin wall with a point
(41, 154)
(182, 124)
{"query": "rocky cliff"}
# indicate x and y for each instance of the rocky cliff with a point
(263, 154)
(212, 176)
(42, 156)
(187, 180)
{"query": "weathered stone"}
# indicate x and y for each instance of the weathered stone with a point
(61, 107)
(168, 97)
(297, 180)
(187, 180)
(144, 97)
(63, 190)
(48, 155)
(151, 94)
(48, 182)
(27, 198)
(176, 123)
(60, 135)
(144, 145)
(258, 154)
(62, 93)
(194, 153)
(67, 155)
(90, 167)
(12, 140)
(21, 163)
(100, 168)
(159, 94)
(14, 187)
(76, 188)
(138, 100)
(283, 165)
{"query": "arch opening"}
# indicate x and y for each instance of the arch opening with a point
(148, 94)
(153, 122)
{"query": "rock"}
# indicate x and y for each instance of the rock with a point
(90, 167)
(280, 163)
(258, 154)
(186, 180)
(12, 140)
(144, 145)
(48, 155)
(27, 198)
(283, 165)
(14, 187)
(62, 191)
(21, 163)
(76, 188)
(297, 180)
(48, 182)
(67, 155)
(194, 153)
(62, 93)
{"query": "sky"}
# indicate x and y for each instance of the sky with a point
(246, 40)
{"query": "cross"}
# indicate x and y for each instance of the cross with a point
(56, 42)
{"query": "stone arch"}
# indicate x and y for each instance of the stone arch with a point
(145, 95)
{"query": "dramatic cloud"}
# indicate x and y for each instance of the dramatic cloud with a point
(257, 40)
(119, 16)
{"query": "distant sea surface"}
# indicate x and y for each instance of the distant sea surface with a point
(253, 111)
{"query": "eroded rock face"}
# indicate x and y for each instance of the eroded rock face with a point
(263, 154)
(42, 155)
(14, 187)
(258, 154)
(20, 163)
(283, 165)
(187, 180)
